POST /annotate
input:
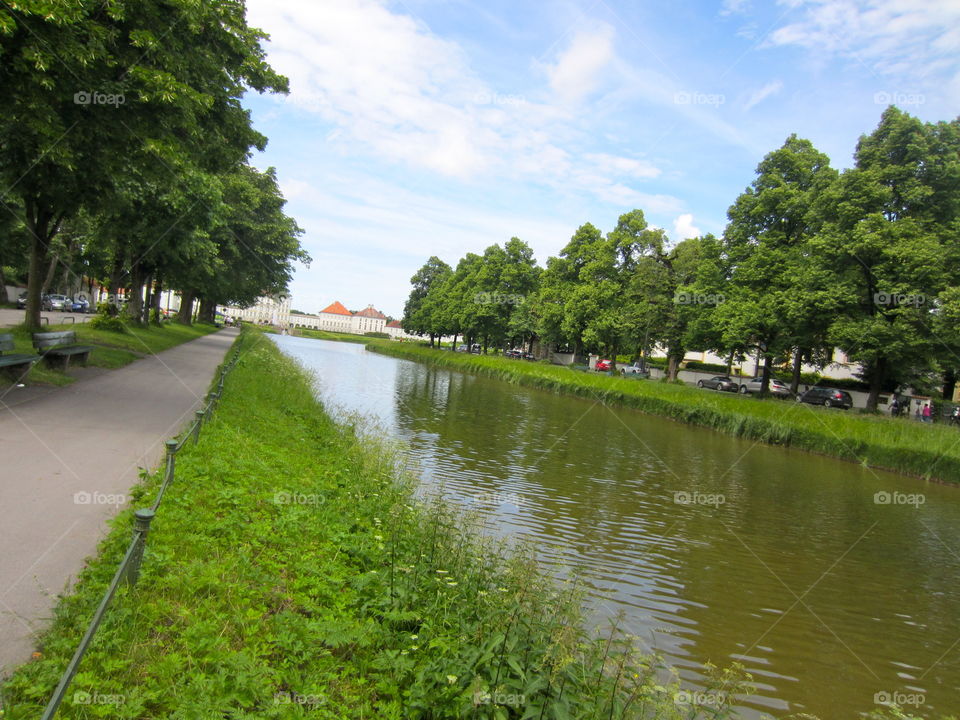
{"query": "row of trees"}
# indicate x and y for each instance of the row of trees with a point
(812, 259)
(125, 154)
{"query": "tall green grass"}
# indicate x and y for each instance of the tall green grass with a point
(928, 451)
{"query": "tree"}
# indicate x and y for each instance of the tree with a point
(419, 316)
(606, 279)
(889, 241)
(107, 87)
(766, 242)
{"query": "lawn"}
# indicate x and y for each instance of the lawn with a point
(326, 335)
(931, 451)
(111, 349)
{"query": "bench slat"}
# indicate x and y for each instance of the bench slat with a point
(59, 335)
(68, 350)
(7, 360)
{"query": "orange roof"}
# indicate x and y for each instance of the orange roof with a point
(395, 323)
(336, 308)
(371, 312)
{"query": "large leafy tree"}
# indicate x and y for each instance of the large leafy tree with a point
(606, 277)
(420, 315)
(890, 240)
(766, 242)
(93, 89)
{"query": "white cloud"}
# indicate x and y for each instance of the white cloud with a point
(684, 228)
(758, 96)
(393, 89)
(733, 7)
(611, 164)
(891, 37)
(576, 73)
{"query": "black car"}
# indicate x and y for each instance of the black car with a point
(828, 397)
(719, 382)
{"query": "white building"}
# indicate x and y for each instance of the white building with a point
(271, 310)
(336, 318)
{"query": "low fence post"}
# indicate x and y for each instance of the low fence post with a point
(141, 526)
(171, 456)
(200, 415)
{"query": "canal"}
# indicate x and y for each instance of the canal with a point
(834, 585)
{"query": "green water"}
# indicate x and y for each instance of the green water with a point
(778, 559)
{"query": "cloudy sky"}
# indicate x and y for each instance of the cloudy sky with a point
(437, 127)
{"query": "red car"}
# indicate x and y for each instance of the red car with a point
(603, 366)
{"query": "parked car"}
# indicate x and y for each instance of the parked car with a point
(513, 353)
(461, 348)
(634, 369)
(719, 382)
(777, 388)
(602, 366)
(22, 301)
(56, 302)
(828, 397)
(79, 305)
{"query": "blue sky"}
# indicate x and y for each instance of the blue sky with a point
(432, 127)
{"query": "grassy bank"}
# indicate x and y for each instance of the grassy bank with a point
(111, 349)
(930, 451)
(290, 573)
(326, 335)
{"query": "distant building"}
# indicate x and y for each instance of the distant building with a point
(269, 310)
(395, 330)
(336, 318)
(368, 320)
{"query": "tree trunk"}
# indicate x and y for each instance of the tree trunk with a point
(135, 301)
(765, 380)
(673, 367)
(613, 358)
(147, 300)
(155, 301)
(455, 342)
(185, 314)
(208, 311)
(949, 380)
(3, 287)
(431, 340)
(38, 225)
(876, 382)
(797, 364)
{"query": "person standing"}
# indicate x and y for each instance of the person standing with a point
(926, 413)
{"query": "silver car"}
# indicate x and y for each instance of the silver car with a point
(56, 302)
(777, 388)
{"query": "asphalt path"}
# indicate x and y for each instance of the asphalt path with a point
(68, 458)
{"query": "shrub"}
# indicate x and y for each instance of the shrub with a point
(708, 367)
(375, 334)
(104, 321)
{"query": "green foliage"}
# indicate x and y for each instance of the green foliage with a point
(106, 321)
(290, 565)
(708, 367)
(381, 335)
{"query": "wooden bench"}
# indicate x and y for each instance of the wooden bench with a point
(56, 348)
(16, 365)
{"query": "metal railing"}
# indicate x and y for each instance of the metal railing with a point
(128, 572)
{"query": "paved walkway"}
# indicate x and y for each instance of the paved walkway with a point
(63, 454)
